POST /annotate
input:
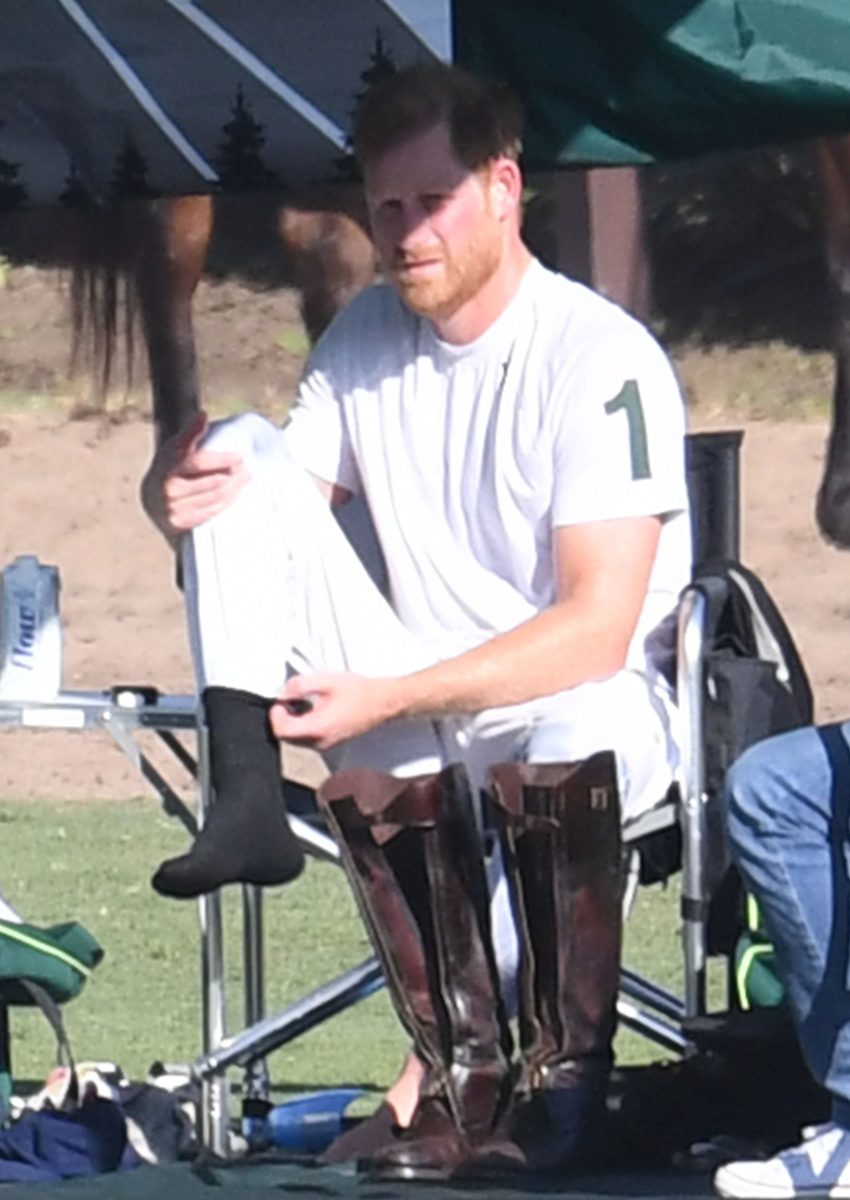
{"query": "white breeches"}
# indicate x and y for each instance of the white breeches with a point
(274, 587)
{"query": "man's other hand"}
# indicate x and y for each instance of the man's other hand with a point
(186, 485)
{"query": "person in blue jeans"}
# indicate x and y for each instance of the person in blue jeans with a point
(788, 820)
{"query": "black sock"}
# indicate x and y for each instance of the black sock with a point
(246, 837)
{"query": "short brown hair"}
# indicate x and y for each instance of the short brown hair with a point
(484, 119)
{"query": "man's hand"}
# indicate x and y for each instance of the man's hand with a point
(338, 707)
(185, 485)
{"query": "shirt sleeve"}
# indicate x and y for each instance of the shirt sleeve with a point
(618, 433)
(315, 434)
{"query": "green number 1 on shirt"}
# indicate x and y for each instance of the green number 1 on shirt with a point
(629, 400)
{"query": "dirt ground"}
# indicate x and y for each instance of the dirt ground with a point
(70, 496)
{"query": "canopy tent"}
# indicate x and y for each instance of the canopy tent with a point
(102, 98)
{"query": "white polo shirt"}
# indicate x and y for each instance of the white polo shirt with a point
(564, 411)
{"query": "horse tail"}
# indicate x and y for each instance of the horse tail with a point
(103, 301)
(90, 250)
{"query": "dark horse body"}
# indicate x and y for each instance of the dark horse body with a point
(157, 250)
(139, 264)
(833, 502)
(327, 250)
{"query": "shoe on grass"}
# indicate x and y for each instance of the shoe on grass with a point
(818, 1168)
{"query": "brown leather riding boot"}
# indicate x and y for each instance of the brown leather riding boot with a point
(413, 857)
(560, 831)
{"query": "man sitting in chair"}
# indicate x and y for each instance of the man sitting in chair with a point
(519, 441)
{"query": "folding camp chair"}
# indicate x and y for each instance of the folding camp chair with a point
(735, 684)
(675, 834)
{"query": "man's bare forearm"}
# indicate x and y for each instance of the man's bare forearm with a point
(550, 652)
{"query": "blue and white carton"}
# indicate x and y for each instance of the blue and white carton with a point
(30, 630)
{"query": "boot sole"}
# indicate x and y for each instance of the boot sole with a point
(404, 1174)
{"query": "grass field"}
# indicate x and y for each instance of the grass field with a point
(142, 1004)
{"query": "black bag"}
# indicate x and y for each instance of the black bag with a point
(755, 686)
(755, 681)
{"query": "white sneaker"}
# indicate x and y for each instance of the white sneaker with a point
(818, 1169)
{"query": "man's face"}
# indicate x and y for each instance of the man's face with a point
(437, 235)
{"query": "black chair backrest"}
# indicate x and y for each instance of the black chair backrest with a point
(712, 462)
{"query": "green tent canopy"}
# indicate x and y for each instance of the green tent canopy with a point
(635, 81)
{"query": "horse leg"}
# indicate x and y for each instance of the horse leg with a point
(173, 236)
(833, 501)
(331, 258)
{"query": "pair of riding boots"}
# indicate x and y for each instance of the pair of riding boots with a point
(413, 854)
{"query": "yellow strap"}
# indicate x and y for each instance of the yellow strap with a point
(17, 935)
(747, 959)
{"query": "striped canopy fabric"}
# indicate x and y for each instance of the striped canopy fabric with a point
(101, 99)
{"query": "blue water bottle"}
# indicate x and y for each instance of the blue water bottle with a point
(310, 1122)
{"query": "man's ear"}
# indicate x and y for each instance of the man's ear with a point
(505, 187)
